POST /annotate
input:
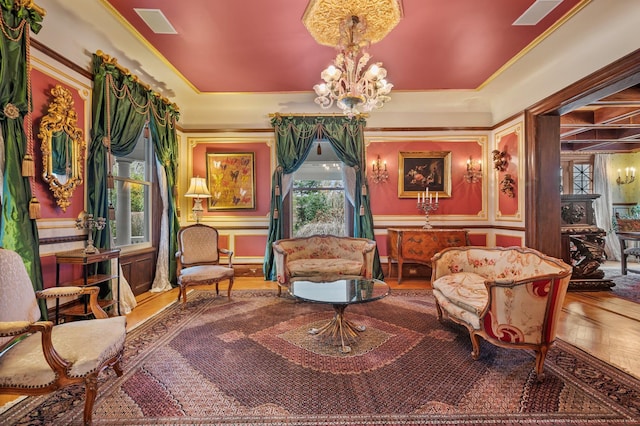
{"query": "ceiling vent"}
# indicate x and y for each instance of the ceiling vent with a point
(155, 19)
(537, 11)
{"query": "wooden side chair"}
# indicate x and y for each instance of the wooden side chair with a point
(37, 357)
(198, 259)
(628, 232)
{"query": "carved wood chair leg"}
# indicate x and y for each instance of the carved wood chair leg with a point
(183, 294)
(229, 289)
(91, 390)
(117, 366)
(541, 354)
(475, 343)
(439, 311)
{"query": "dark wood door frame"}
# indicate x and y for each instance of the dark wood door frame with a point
(542, 145)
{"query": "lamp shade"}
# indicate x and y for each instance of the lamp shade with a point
(198, 188)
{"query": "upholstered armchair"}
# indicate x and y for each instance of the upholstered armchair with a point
(511, 297)
(198, 259)
(37, 357)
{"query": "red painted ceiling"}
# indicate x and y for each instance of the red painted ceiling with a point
(262, 45)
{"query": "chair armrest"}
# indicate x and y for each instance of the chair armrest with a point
(57, 292)
(280, 258)
(368, 254)
(15, 328)
(227, 253)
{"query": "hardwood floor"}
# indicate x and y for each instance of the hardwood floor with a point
(604, 325)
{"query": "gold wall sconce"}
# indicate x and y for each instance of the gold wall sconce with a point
(474, 171)
(507, 186)
(629, 176)
(500, 160)
(379, 171)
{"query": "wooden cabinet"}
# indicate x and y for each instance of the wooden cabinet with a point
(90, 277)
(139, 269)
(418, 245)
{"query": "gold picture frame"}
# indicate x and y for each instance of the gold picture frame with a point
(231, 180)
(418, 170)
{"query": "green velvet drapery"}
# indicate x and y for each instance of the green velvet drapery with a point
(294, 137)
(121, 107)
(17, 231)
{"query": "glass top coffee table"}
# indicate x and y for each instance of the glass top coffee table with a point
(340, 293)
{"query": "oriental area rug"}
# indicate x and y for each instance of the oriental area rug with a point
(251, 361)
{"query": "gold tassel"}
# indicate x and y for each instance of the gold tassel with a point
(110, 183)
(34, 208)
(361, 210)
(174, 191)
(364, 190)
(277, 191)
(275, 214)
(112, 212)
(28, 167)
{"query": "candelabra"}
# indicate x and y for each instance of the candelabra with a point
(86, 221)
(379, 171)
(427, 204)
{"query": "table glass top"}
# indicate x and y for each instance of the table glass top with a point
(339, 291)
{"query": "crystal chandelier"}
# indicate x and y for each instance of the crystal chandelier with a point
(351, 26)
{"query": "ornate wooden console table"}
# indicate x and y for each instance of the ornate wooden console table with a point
(418, 245)
(583, 243)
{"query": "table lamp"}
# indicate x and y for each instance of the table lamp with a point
(198, 190)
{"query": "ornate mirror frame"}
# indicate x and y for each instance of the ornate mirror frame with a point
(62, 145)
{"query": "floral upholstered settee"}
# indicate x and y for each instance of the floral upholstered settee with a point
(510, 296)
(322, 257)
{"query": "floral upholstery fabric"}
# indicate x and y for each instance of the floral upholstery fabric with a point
(628, 225)
(323, 255)
(313, 267)
(510, 295)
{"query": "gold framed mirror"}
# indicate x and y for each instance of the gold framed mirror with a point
(62, 147)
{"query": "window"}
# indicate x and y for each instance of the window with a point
(317, 203)
(131, 198)
(576, 174)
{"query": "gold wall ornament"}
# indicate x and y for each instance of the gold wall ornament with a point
(62, 147)
(324, 17)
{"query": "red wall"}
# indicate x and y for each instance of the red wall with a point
(262, 173)
(466, 199)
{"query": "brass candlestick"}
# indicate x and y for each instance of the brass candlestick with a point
(427, 205)
(86, 221)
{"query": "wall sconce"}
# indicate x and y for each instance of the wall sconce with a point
(379, 174)
(507, 186)
(500, 160)
(198, 190)
(628, 178)
(474, 170)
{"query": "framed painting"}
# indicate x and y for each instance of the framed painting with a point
(231, 180)
(421, 170)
